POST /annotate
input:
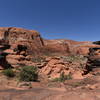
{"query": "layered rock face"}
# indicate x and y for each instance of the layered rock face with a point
(69, 47)
(21, 43)
(15, 36)
(94, 57)
(37, 45)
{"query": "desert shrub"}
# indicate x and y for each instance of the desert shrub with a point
(68, 77)
(28, 73)
(9, 72)
(73, 58)
(62, 78)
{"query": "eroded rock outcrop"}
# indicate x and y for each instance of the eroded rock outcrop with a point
(18, 36)
(73, 65)
(93, 58)
(22, 42)
(3, 61)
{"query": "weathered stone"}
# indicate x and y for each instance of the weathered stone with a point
(93, 58)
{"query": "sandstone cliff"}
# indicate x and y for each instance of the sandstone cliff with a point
(36, 44)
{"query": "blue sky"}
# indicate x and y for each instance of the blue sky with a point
(54, 19)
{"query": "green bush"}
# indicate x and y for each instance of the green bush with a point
(62, 78)
(28, 73)
(9, 72)
(68, 77)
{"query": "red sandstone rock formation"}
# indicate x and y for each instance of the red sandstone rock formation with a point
(25, 45)
(35, 44)
(15, 36)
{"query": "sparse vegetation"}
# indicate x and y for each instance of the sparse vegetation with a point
(38, 59)
(9, 72)
(62, 78)
(73, 58)
(28, 73)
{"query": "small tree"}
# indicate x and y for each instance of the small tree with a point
(28, 73)
(9, 72)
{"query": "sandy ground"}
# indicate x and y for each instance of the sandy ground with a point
(49, 94)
